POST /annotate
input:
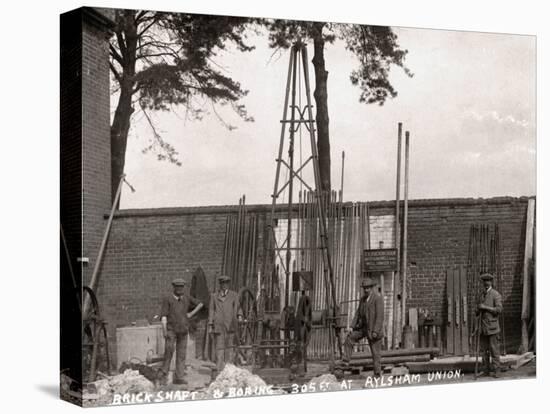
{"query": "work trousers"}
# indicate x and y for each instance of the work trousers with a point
(175, 342)
(224, 343)
(375, 349)
(489, 348)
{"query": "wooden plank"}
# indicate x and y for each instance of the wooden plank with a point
(456, 312)
(413, 323)
(450, 329)
(464, 310)
(433, 351)
(528, 255)
(367, 362)
(522, 360)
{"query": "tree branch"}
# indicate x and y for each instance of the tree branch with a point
(115, 72)
(154, 20)
(150, 55)
(121, 43)
(114, 53)
(140, 15)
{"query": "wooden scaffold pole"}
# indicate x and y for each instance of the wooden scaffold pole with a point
(405, 229)
(395, 330)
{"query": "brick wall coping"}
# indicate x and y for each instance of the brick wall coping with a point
(264, 208)
(98, 18)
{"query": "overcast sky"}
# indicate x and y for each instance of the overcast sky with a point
(470, 109)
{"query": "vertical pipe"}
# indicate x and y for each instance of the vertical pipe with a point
(405, 223)
(225, 244)
(242, 248)
(235, 264)
(342, 177)
(395, 331)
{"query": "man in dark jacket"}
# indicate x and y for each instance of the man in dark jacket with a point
(175, 313)
(368, 323)
(223, 316)
(489, 310)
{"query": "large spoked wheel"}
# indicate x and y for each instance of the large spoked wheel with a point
(247, 328)
(95, 346)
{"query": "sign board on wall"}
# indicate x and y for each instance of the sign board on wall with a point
(380, 260)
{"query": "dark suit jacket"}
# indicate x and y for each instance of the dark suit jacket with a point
(369, 317)
(489, 319)
(223, 311)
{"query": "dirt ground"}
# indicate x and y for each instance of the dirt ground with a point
(318, 379)
(366, 381)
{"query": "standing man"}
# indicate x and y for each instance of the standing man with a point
(368, 322)
(175, 314)
(223, 316)
(489, 310)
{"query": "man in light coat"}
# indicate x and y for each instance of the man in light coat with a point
(489, 310)
(368, 322)
(223, 317)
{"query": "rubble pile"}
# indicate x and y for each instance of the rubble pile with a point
(130, 381)
(69, 389)
(198, 373)
(328, 381)
(235, 377)
(101, 392)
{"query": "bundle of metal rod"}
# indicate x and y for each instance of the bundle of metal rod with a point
(240, 244)
(484, 255)
(345, 236)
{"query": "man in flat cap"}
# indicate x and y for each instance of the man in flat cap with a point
(223, 316)
(489, 310)
(175, 313)
(368, 322)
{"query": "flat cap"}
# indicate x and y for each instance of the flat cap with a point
(179, 282)
(487, 276)
(367, 282)
(224, 278)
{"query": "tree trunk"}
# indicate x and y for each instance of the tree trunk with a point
(119, 137)
(321, 99)
(124, 110)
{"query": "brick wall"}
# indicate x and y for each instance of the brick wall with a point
(96, 138)
(438, 238)
(85, 161)
(148, 248)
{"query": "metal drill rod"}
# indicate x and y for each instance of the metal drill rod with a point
(405, 235)
(395, 331)
(225, 243)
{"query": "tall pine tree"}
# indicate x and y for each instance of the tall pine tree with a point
(376, 50)
(162, 60)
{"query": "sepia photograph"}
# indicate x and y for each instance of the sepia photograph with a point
(254, 206)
